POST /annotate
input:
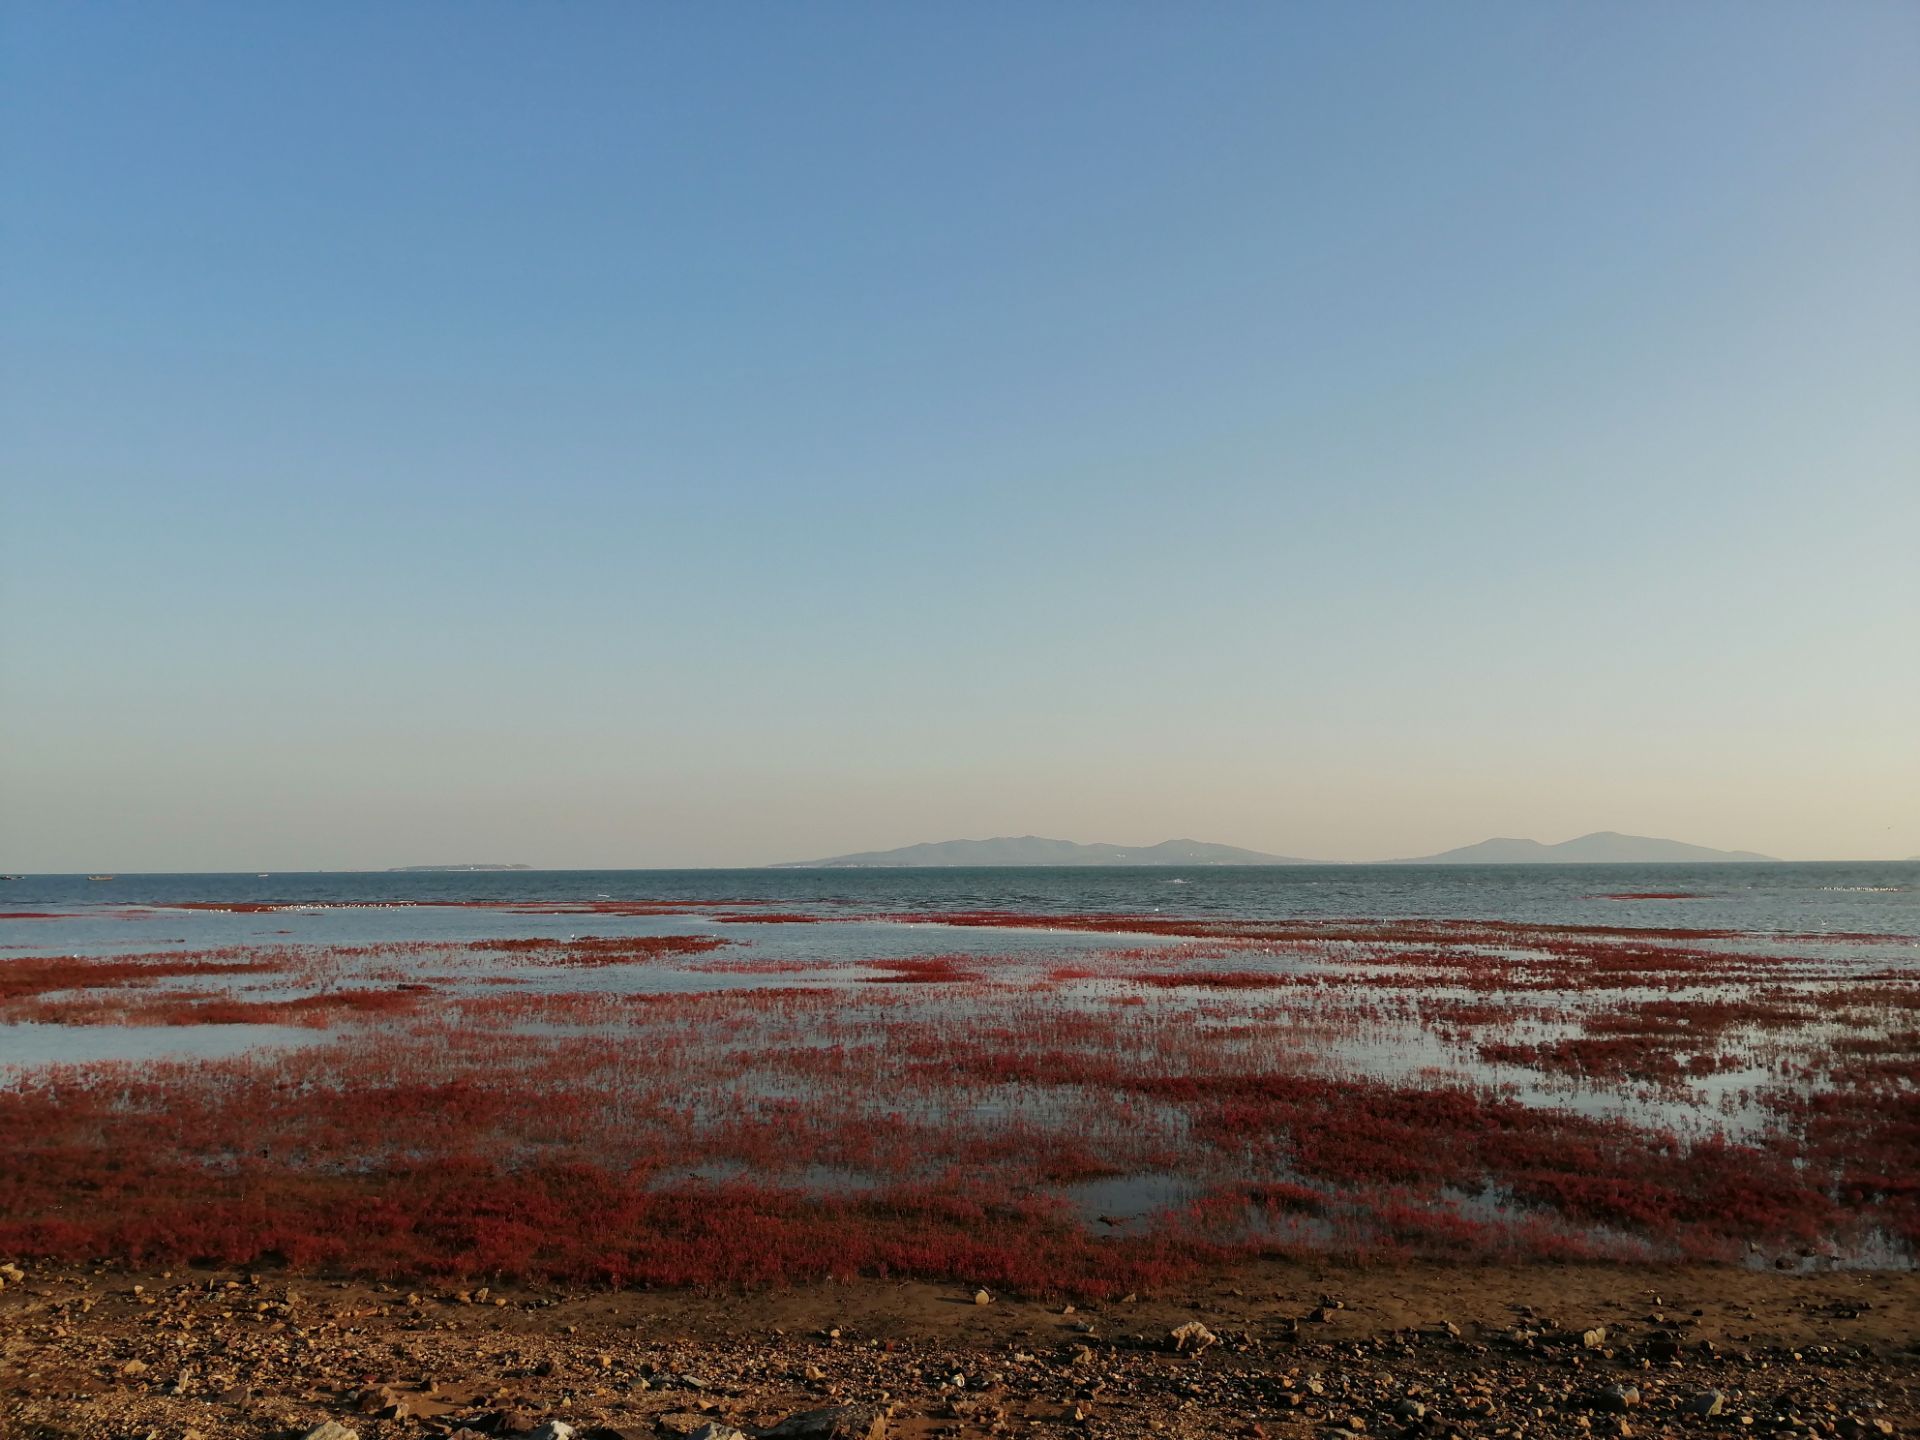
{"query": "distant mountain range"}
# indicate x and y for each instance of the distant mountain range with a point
(1603, 847)
(1036, 850)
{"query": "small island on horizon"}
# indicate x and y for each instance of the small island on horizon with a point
(1602, 847)
(1038, 850)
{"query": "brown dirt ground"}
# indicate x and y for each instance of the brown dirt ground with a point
(88, 1353)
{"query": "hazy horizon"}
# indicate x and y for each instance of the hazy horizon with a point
(651, 437)
(801, 861)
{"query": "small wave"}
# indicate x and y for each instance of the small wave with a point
(1865, 889)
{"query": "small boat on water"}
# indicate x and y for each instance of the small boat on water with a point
(99, 877)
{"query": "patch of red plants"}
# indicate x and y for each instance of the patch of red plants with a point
(39, 975)
(632, 908)
(1220, 980)
(926, 1122)
(1628, 1057)
(925, 970)
(313, 1011)
(594, 950)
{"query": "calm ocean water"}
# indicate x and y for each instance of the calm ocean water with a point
(1878, 897)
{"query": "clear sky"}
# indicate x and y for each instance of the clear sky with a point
(630, 434)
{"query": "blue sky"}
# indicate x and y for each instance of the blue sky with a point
(625, 434)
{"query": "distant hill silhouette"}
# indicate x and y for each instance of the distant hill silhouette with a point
(1603, 847)
(1037, 850)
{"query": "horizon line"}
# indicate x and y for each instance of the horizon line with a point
(1300, 864)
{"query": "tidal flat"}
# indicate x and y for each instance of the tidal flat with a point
(650, 1092)
(646, 1164)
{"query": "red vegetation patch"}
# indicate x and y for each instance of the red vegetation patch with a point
(638, 908)
(1274, 1195)
(927, 1121)
(1220, 980)
(275, 907)
(31, 976)
(1635, 1057)
(313, 1011)
(594, 950)
(233, 907)
(927, 970)
(1362, 931)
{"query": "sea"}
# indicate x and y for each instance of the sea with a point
(1876, 897)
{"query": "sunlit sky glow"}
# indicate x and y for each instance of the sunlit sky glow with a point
(655, 435)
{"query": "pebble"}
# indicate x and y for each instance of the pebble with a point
(839, 1422)
(1710, 1402)
(1618, 1399)
(1191, 1338)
